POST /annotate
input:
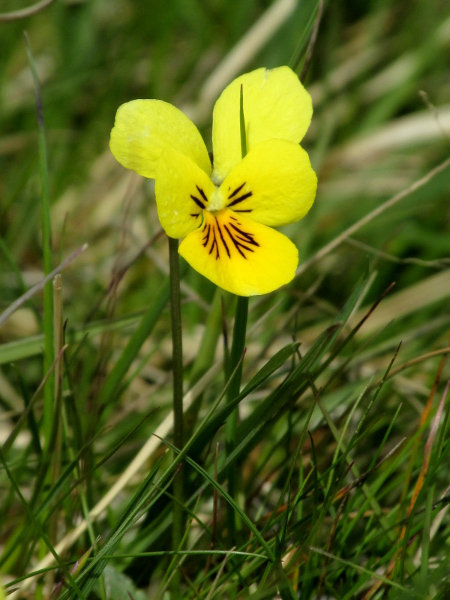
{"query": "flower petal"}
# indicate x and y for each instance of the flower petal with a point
(182, 192)
(239, 255)
(144, 128)
(274, 184)
(276, 105)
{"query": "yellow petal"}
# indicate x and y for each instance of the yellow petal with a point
(276, 105)
(144, 128)
(239, 255)
(273, 185)
(182, 193)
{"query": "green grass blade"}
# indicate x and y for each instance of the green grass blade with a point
(47, 251)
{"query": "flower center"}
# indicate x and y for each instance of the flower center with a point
(224, 236)
(216, 202)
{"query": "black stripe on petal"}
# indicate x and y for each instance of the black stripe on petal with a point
(236, 191)
(241, 198)
(202, 194)
(198, 202)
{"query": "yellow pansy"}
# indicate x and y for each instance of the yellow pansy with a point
(226, 212)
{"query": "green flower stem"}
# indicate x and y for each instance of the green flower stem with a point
(236, 358)
(205, 355)
(213, 328)
(177, 368)
(236, 355)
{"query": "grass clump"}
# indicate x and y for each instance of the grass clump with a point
(340, 450)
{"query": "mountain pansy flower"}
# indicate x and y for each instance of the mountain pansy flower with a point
(226, 212)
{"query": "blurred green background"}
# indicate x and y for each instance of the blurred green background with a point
(373, 133)
(379, 78)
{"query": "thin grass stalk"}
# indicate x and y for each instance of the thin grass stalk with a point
(178, 426)
(46, 250)
(37, 525)
(142, 497)
(182, 456)
(237, 350)
(207, 349)
(205, 356)
(58, 375)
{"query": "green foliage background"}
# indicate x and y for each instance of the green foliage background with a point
(314, 418)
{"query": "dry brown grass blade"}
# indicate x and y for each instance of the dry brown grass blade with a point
(419, 483)
(405, 302)
(25, 12)
(33, 290)
(426, 457)
(417, 129)
(414, 361)
(396, 306)
(329, 546)
(239, 57)
(373, 215)
(344, 491)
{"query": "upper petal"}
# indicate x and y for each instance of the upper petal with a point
(182, 193)
(239, 255)
(276, 105)
(143, 128)
(274, 184)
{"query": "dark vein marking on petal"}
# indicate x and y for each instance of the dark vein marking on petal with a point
(217, 246)
(250, 210)
(194, 215)
(246, 241)
(202, 194)
(214, 244)
(222, 238)
(247, 236)
(236, 191)
(241, 198)
(206, 238)
(198, 202)
(238, 244)
(251, 242)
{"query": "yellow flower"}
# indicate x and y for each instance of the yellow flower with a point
(226, 213)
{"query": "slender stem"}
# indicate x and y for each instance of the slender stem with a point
(177, 348)
(177, 369)
(237, 350)
(46, 249)
(236, 355)
(58, 331)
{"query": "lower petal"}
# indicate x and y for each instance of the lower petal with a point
(240, 255)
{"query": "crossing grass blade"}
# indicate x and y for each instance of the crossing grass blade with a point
(342, 462)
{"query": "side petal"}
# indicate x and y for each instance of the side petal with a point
(182, 193)
(143, 128)
(276, 105)
(239, 255)
(274, 184)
